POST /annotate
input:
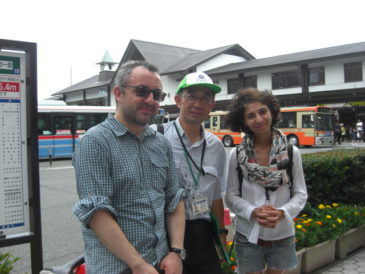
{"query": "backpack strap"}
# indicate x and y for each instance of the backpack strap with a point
(289, 168)
(161, 129)
(239, 173)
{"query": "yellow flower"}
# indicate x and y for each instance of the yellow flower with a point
(328, 206)
(304, 215)
(356, 213)
(321, 206)
(328, 216)
(299, 227)
(335, 204)
(334, 225)
(339, 220)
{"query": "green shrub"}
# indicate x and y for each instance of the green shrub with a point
(337, 175)
(7, 262)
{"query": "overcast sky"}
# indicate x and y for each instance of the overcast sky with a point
(76, 33)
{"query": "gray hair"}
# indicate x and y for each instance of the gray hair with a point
(126, 69)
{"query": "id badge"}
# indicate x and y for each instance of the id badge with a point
(200, 205)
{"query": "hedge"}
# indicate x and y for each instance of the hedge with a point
(335, 176)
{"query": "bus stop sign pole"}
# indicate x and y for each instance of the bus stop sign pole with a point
(19, 170)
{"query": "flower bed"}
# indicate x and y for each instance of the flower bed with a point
(326, 222)
(317, 225)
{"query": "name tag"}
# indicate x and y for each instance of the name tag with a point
(200, 205)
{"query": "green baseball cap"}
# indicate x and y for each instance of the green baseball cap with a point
(197, 79)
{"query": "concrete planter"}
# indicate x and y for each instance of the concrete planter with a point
(318, 256)
(350, 241)
(300, 254)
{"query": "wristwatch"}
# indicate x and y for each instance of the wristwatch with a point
(223, 231)
(180, 251)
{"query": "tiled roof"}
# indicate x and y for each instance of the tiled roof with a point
(293, 58)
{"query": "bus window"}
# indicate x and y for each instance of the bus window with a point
(85, 121)
(44, 125)
(62, 125)
(307, 121)
(207, 123)
(324, 122)
(214, 121)
(288, 120)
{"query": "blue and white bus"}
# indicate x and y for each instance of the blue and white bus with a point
(60, 127)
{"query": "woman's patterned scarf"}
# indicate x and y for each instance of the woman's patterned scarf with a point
(269, 177)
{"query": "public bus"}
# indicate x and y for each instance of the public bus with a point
(303, 126)
(60, 127)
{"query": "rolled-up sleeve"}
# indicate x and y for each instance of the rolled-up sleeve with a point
(174, 190)
(94, 183)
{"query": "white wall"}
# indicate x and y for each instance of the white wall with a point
(334, 78)
(74, 96)
(218, 61)
(335, 75)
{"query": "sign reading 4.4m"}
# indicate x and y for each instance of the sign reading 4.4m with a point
(9, 75)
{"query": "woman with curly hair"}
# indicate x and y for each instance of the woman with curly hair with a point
(266, 199)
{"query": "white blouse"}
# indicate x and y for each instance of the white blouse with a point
(253, 196)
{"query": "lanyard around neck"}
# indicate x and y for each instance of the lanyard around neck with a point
(201, 170)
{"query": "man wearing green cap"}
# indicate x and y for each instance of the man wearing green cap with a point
(200, 159)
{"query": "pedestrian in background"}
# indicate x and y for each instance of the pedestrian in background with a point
(127, 184)
(343, 132)
(337, 131)
(266, 200)
(360, 130)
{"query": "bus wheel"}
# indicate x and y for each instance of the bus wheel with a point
(292, 139)
(227, 141)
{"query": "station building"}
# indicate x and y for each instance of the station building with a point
(333, 76)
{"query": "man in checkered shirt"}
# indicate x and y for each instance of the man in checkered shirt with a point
(127, 184)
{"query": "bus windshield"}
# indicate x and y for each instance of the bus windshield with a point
(324, 122)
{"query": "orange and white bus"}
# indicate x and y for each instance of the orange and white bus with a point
(303, 126)
(308, 126)
(215, 125)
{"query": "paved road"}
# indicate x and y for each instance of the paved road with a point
(61, 234)
(62, 239)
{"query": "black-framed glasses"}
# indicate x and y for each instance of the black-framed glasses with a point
(144, 92)
(195, 99)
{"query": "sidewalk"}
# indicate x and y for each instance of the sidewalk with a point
(354, 263)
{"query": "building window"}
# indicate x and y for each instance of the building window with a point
(250, 82)
(286, 79)
(353, 72)
(316, 76)
(233, 85)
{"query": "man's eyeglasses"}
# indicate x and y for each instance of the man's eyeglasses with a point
(144, 92)
(194, 99)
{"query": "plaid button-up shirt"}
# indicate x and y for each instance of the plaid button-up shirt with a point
(132, 178)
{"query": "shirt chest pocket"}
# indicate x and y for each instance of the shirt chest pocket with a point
(159, 172)
(210, 179)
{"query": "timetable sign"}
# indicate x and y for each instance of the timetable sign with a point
(14, 204)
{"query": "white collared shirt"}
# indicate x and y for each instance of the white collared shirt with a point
(253, 196)
(213, 183)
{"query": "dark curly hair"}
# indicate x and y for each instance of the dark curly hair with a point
(243, 97)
